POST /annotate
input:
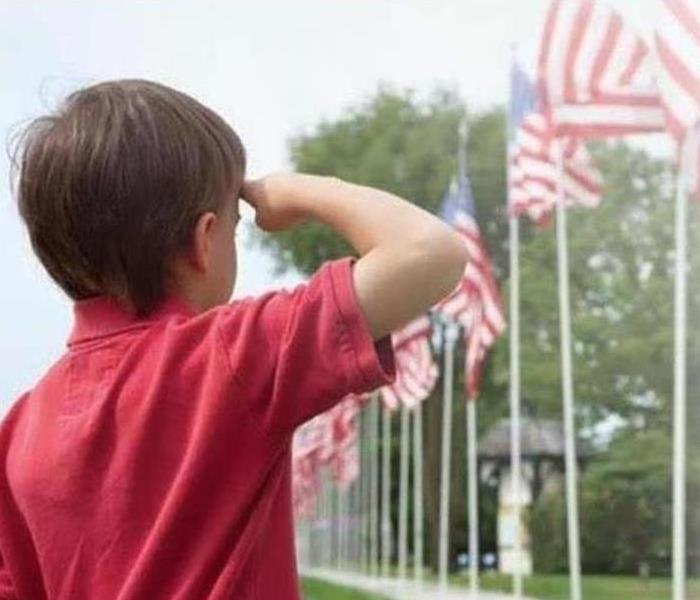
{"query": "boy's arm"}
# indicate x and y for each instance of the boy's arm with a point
(409, 259)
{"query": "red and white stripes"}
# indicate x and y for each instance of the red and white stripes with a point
(328, 440)
(476, 303)
(596, 78)
(678, 47)
(533, 172)
(596, 73)
(476, 295)
(677, 38)
(416, 371)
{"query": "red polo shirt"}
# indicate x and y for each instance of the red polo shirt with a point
(153, 459)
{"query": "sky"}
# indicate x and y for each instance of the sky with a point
(272, 69)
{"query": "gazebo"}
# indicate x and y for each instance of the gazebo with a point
(542, 450)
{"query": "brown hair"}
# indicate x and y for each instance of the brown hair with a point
(111, 185)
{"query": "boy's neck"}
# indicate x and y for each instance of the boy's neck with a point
(195, 297)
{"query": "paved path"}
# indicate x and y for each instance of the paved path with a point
(397, 589)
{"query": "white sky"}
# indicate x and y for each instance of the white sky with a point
(270, 68)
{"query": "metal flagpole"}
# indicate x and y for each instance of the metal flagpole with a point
(306, 553)
(472, 461)
(345, 525)
(444, 533)
(386, 491)
(373, 486)
(355, 544)
(418, 494)
(321, 531)
(403, 494)
(333, 541)
(567, 384)
(350, 525)
(473, 498)
(313, 530)
(340, 528)
(365, 457)
(515, 447)
(329, 526)
(350, 558)
(679, 380)
(360, 538)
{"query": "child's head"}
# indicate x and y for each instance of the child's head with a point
(131, 190)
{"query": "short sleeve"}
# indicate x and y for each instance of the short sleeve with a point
(297, 353)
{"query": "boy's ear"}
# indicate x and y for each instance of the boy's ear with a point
(200, 254)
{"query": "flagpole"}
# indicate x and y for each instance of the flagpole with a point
(447, 400)
(340, 538)
(515, 449)
(328, 512)
(514, 339)
(418, 494)
(386, 491)
(374, 486)
(321, 533)
(345, 525)
(571, 465)
(355, 551)
(349, 525)
(473, 497)
(365, 501)
(403, 493)
(472, 460)
(313, 524)
(362, 495)
(679, 381)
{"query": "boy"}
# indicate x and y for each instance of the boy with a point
(152, 460)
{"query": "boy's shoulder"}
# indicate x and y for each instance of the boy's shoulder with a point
(9, 420)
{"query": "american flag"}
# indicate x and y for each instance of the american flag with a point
(532, 186)
(416, 371)
(344, 461)
(678, 48)
(329, 440)
(596, 73)
(307, 449)
(305, 475)
(476, 302)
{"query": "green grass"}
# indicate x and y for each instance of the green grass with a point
(315, 589)
(595, 587)
(542, 587)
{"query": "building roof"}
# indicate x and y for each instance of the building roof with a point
(539, 438)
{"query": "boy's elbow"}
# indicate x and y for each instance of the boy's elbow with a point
(454, 258)
(447, 256)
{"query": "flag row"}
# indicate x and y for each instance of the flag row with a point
(598, 78)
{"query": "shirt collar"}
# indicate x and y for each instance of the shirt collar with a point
(103, 316)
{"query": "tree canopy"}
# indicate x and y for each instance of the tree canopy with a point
(621, 269)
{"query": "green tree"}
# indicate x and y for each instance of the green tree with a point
(392, 142)
(621, 269)
(626, 504)
(408, 146)
(622, 312)
(622, 297)
(625, 510)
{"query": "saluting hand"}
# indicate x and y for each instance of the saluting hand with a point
(278, 199)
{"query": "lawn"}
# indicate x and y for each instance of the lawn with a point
(595, 587)
(542, 587)
(315, 589)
